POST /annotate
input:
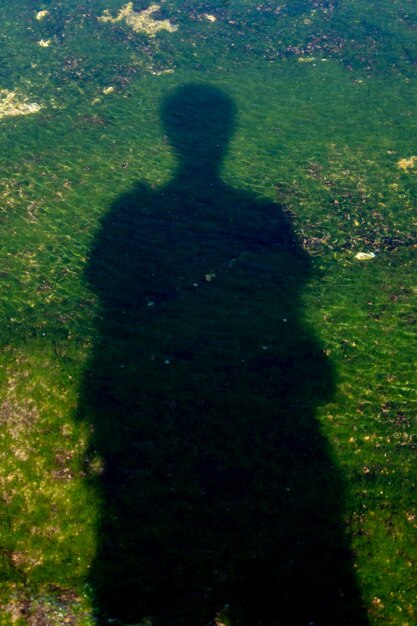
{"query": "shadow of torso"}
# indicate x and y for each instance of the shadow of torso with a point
(219, 495)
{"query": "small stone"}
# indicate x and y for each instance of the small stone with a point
(162, 72)
(40, 15)
(365, 256)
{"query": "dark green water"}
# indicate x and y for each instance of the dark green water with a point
(207, 401)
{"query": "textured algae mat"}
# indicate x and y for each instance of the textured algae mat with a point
(208, 313)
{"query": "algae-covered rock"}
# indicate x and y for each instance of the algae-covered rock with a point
(12, 104)
(139, 21)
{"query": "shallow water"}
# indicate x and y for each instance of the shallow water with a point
(207, 402)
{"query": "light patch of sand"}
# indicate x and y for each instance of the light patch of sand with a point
(139, 21)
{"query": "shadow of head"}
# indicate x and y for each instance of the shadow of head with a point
(199, 121)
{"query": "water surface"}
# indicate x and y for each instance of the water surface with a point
(207, 402)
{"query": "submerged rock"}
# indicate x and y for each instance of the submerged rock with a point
(139, 21)
(365, 256)
(40, 15)
(11, 104)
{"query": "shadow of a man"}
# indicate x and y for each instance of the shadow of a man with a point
(220, 502)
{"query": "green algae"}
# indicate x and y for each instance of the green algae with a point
(324, 138)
